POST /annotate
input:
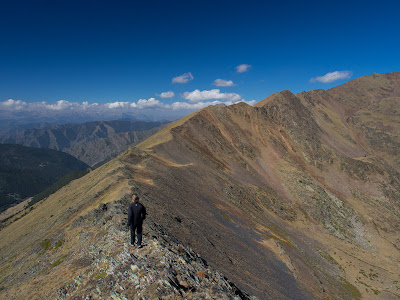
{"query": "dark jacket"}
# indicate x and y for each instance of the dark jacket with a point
(136, 213)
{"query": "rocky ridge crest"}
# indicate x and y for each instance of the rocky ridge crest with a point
(105, 266)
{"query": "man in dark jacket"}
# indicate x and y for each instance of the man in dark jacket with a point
(136, 216)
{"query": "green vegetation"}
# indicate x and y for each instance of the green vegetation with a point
(26, 171)
(100, 274)
(371, 276)
(58, 262)
(376, 292)
(363, 283)
(58, 244)
(329, 258)
(4, 221)
(355, 293)
(46, 245)
(58, 185)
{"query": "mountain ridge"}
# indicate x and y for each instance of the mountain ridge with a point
(284, 198)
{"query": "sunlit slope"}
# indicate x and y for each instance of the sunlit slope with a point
(289, 199)
(291, 176)
(24, 242)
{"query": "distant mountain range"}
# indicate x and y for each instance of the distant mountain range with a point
(26, 171)
(8, 128)
(91, 142)
(12, 122)
(296, 197)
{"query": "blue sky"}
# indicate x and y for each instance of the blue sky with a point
(118, 52)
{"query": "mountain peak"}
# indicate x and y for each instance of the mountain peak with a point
(360, 92)
(297, 195)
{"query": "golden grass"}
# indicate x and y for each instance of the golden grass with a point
(33, 237)
(14, 209)
(145, 181)
(170, 163)
(163, 135)
(54, 213)
(281, 254)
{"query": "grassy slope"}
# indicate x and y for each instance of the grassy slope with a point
(25, 238)
(261, 199)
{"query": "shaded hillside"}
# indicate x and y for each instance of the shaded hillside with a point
(91, 142)
(103, 149)
(289, 199)
(26, 171)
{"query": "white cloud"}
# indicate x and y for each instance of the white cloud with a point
(13, 104)
(183, 78)
(152, 102)
(214, 94)
(60, 105)
(251, 102)
(188, 106)
(117, 104)
(332, 76)
(222, 82)
(168, 94)
(87, 105)
(242, 68)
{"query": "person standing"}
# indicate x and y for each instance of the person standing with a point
(136, 216)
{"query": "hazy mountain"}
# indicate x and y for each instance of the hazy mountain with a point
(10, 127)
(294, 198)
(26, 171)
(12, 121)
(91, 142)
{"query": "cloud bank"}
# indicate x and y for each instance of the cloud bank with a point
(21, 112)
(332, 76)
(243, 68)
(222, 82)
(184, 78)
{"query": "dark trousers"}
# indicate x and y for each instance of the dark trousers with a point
(138, 228)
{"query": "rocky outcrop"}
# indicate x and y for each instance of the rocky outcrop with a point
(102, 265)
